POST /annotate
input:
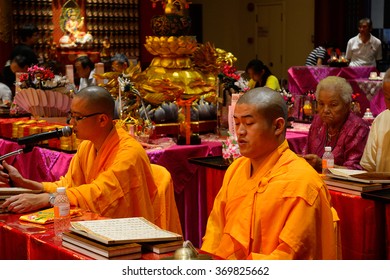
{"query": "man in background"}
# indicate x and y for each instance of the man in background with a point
(85, 69)
(364, 49)
(119, 63)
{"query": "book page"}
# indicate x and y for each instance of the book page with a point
(123, 230)
(345, 172)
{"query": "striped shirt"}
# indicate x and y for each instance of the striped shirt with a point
(317, 53)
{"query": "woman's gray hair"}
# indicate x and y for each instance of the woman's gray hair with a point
(338, 85)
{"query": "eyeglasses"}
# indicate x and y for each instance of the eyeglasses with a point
(80, 118)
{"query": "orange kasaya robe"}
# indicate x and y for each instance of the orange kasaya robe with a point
(281, 212)
(116, 182)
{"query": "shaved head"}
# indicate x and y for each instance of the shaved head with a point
(98, 99)
(270, 104)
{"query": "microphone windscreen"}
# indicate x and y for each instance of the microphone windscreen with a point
(66, 131)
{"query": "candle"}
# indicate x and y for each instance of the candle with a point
(69, 73)
(99, 69)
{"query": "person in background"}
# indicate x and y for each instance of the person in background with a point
(85, 69)
(320, 55)
(28, 36)
(261, 76)
(376, 156)
(364, 49)
(119, 63)
(18, 64)
(110, 174)
(336, 126)
(272, 204)
(5, 95)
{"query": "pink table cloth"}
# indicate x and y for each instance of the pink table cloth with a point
(189, 179)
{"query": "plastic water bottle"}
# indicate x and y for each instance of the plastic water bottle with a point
(61, 212)
(327, 160)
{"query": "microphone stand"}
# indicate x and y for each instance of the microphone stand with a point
(17, 152)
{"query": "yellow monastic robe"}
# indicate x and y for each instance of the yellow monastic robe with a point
(281, 212)
(115, 182)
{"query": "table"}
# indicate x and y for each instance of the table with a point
(28, 241)
(304, 78)
(383, 196)
(188, 179)
(364, 230)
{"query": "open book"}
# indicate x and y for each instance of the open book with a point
(360, 176)
(123, 230)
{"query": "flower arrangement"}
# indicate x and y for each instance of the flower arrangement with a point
(231, 80)
(38, 77)
(287, 96)
(43, 94)
(230, 149)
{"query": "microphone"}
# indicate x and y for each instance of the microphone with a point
(35, 138)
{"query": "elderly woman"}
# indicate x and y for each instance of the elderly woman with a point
(336, 126)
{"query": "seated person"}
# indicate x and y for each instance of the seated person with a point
(261, 76)
(18, 64)
(28, 36)
(110, 174)
(119, 63)
(336, 126)
(272, 204)
(85, 69)
(5, 95)
(319, 56)
(376, 155)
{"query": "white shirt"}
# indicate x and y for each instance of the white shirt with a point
(361, 54)
(5, 94)
(376, 155)
(91, 81)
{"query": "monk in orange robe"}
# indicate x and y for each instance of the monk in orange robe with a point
(110, 174)
(273, 204)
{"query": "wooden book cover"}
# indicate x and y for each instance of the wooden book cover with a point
(99, 248)
(131, 256)
(344, 190)
(362, 187)
(123, 230)
(163, 247)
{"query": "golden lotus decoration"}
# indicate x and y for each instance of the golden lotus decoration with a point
(171, 74)
(172, 45)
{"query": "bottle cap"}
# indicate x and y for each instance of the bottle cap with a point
(61, 190)
(328, 149)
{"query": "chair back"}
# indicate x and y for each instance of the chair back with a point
(166, 215)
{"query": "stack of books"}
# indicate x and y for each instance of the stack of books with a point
(119, 239)
(100, 251)
(356, 182)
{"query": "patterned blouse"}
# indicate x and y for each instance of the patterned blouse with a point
(347, 146)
